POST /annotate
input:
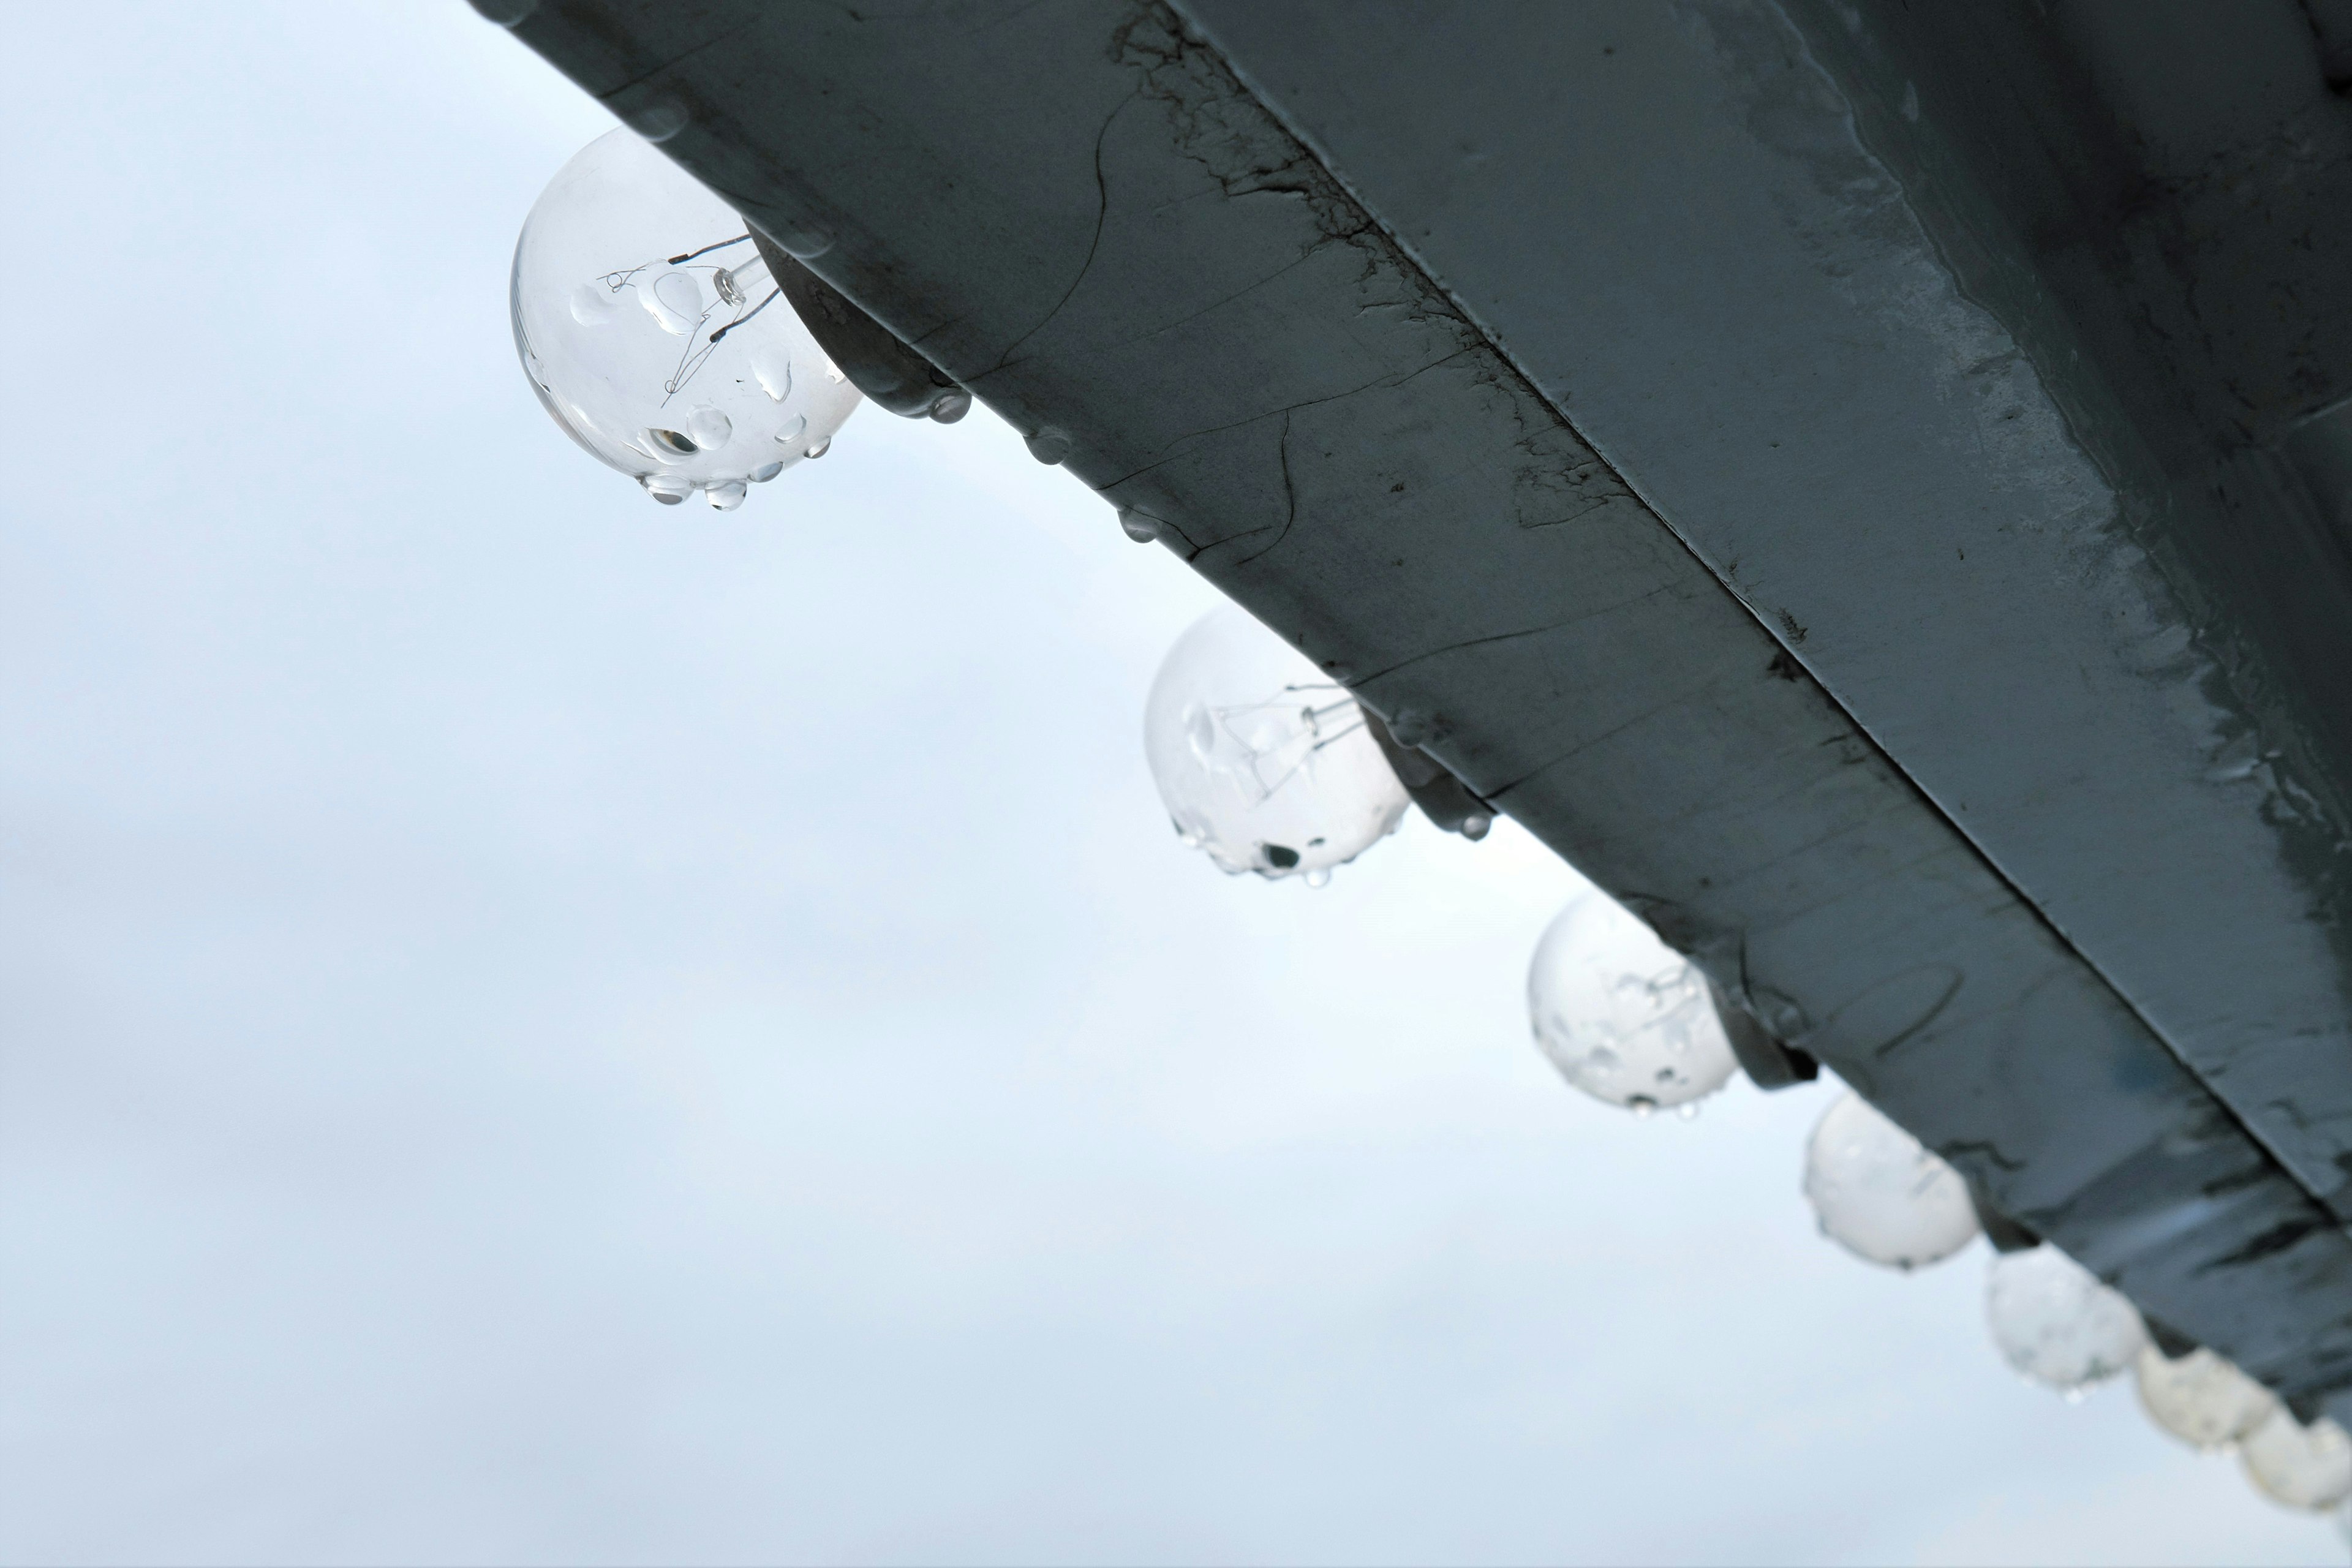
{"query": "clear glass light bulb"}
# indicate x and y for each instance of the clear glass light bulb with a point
(653, 333)
(1882, 1194)
(1262, 760)
(2200, 1399)
(1623, 1017)
(2302, 1466)
(2053, 1321)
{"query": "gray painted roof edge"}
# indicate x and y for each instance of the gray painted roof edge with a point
(1094, 280)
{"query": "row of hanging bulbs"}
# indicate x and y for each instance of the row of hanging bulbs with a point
(655, 331)
(1888, 1200)
(1267, 765)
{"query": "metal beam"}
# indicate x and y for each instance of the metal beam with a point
(1625, 464)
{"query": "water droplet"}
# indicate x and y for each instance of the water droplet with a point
(657, 117)
(1642, 1105)
(506, 13)
(1049, 445)
(725, 495)
(1318, 878)
(1411, 727)
(1475, 826)
(1200, 730)
(952, 407)
(833, 371)
(791, 430)
(674, 300)
(592, 304)
(1281, 857)
(671, 446)
(710, 429)
(771, 364)
(798, 237)
(1687, 1111)
(820, 448)
(668, 488)
(1141, 528)
(762, 475)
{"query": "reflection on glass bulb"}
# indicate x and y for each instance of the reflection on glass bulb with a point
(650, 328)
(1263, 760)
(1623, 1017)
(2053, 1321)
(2200, 1399)
(2302, 1466)
(1880, 1194)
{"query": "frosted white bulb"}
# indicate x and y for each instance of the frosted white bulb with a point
(653, 333)
(1880, 1194)
(2200, 1399)
(2053, 1321)
(1262, 760)
(2302, 1466)
(1623, 1017)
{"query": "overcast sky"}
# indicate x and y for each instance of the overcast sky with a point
(535, 1027)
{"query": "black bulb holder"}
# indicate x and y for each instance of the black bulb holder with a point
(886, 371)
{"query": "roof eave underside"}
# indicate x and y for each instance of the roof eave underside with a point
(1666, 658)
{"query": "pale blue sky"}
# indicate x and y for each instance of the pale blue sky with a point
(542, 1029)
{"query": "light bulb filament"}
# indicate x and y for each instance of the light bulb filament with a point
(1276, 741)
(677, 260)
(693, 358)
(728, 286)
(738, 320)
(1337, 736)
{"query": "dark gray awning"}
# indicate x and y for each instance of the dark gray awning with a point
(1816, 468)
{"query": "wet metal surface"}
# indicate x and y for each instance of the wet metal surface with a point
(1773, 348)
(1778, 593)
